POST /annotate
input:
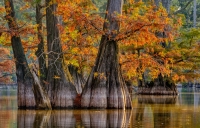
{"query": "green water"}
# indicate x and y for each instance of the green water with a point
(182, 111)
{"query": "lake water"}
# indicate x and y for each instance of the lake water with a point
(182, 111)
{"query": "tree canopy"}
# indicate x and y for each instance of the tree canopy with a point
(81, 29)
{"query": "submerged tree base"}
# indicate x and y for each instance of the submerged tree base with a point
(162, 85)
(105, 87)
(158, 90)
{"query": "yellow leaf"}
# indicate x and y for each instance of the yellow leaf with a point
(95, 74)
(56, 77)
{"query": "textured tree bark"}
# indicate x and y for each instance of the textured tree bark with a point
(105, 87)
(40, 52)
(77, 79)
(24, 78)
(71, 72)
(60, 90)
(41, 97)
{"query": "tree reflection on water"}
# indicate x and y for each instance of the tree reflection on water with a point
(73, 118)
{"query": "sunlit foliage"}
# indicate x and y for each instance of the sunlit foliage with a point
(141, 52)
(6, 66)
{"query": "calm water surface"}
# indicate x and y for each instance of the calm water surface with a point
(182, 111)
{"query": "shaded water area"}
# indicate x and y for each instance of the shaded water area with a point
(182, 111)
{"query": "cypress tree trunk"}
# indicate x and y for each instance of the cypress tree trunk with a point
(77, 79)
(40, 52)
(41, 97)
(60, 90)
(24, 78)
(105, 87)
(195, 14)
(72, 72)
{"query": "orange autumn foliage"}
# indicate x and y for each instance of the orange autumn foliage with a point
(141, 49)
(26, 28)
(139, 24)
(81, 28)
(80, 32)
(6, 66)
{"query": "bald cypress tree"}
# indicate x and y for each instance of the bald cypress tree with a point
(25, 96)
(60, 89)
(105, 87)
(162, 85)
